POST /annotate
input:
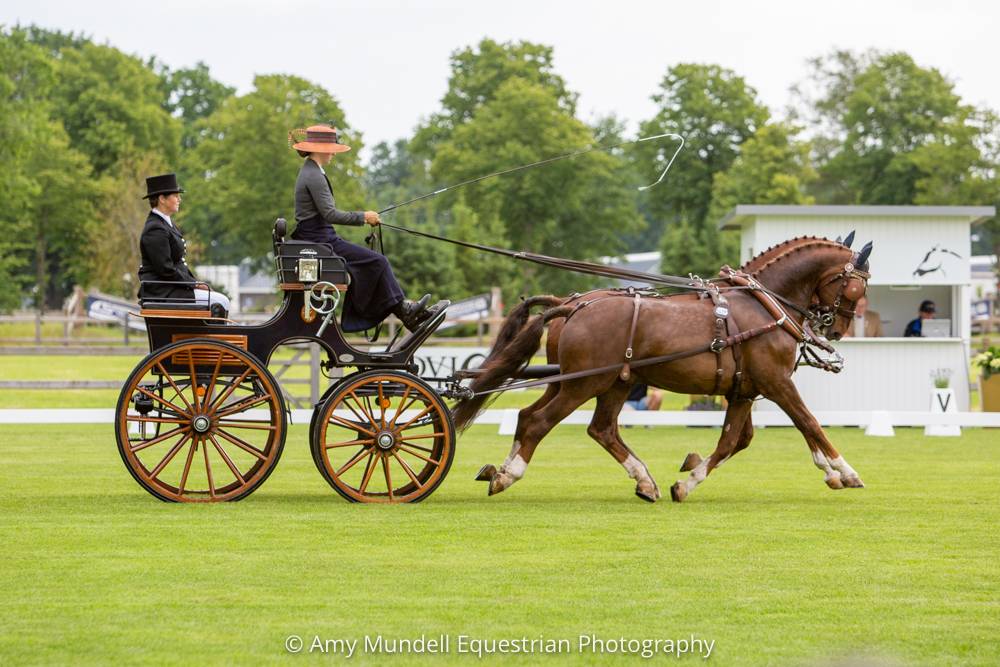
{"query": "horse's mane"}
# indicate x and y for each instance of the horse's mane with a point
(778, 252)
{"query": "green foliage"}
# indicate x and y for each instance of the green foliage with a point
(476, 76)
(241, 175)
(572, 208)
(112, 106)
(192, 94)
(715, 110)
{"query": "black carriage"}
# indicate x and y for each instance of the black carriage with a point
(201, 419)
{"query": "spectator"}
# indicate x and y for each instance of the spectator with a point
(915, 327)
(867, 323)
(641, 397)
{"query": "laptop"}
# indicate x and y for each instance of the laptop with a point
(936, 328)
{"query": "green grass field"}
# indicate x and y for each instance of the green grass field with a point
(762, 558)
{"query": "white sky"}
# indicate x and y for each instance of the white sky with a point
(387, 62)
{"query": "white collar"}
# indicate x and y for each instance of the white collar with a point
(164, 216)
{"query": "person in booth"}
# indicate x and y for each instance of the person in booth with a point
(374, 292)
(162, 248)
(915, 328)
(867, 323)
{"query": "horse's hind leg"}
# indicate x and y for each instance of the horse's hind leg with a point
(604, 429)
(535, 426)
(487, 472)
(837, 472)
(733, 431)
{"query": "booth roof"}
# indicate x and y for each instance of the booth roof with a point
(743, 213)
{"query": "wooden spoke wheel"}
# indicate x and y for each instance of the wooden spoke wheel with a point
(200, 421)
(383, 437)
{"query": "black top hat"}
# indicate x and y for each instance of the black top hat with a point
(165, 184)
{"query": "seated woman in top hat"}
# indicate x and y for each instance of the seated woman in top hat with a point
(162, 247)
(374, 292)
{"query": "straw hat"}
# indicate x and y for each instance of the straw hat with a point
(319, 139)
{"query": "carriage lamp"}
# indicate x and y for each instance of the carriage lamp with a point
(143, 404)
(308, 270)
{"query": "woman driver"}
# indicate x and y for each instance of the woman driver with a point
(374, 292)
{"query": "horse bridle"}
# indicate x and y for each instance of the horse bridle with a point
(853, 283)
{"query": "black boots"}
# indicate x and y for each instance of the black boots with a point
(412, 313)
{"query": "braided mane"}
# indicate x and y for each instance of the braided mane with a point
(782, 250)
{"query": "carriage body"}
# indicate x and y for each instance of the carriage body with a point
(202, 419)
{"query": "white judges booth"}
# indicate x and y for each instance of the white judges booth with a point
(920, 252)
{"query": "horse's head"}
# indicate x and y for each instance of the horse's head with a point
(839, 290)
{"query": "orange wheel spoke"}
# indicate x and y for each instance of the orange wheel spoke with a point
(402, 406)
(350, 464)
(369, 469)
(381, 406)
(160, 438)
(211, 383)
(194, 381)
(388, 477)
(245, 404)
(230, 389)
(187, 468)
(208, 470)
(248, 423)
(363, 441)
(161, 400)
(409, 471)
(351, 425)
(155, 420)
(170, 380)
(170, 456)
(419, 456)
(422, 436)
(423, 449)
(245, 446)
(421, 414)
(364, 408)
(347, 404)
(225, 457)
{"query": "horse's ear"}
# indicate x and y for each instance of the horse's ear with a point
(850, 239)
(837, 240)
(864, 254)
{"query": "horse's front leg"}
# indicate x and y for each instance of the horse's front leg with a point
(732, 431)
(837, 473)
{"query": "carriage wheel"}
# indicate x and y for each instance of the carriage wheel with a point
(383, 437)
(200, 421)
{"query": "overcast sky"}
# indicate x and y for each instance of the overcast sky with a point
(387, 62)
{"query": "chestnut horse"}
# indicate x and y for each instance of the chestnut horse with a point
(805, 276)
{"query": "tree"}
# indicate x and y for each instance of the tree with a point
(572, 208)
(715, 110)
(192, 94)
(477, 73)
(112, 106)
(891, 132)
(241, 175)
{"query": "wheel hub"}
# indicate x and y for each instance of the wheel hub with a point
(201, 424)
(385, 440)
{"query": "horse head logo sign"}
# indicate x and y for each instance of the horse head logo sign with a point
(934, 261)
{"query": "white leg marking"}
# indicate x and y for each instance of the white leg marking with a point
(823, 464)
(843, 466)
(635, 468)
(697, 475)
(515, 467)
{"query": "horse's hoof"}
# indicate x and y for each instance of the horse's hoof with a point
(691, 461)
(648, 492)
(486, 473)
(678, 492)
(497, 485)
(649, 498)
(853, 483)
(834, 483)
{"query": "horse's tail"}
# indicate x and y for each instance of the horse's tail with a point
(515, 344)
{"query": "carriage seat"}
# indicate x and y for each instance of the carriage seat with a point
(321, 264)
